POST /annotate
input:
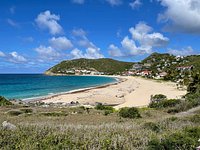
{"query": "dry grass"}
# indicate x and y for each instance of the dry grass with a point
(80, 130)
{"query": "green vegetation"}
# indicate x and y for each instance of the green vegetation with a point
(107, 109)
(161, 101)
(129, 112)
(108, 66)
(66, 128)
(4, 101)
(185, 139)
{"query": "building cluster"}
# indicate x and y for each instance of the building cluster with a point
(80, 72)
(161, 68)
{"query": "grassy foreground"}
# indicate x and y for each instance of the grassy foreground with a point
(80, 128)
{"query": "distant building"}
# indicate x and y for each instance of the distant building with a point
(185, 68)
(137, 67)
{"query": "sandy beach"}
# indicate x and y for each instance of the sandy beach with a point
(129, 92)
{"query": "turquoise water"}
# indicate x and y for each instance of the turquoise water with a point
(24, 86)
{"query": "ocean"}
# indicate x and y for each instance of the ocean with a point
(25, 86)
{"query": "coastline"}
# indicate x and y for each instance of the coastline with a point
(127, 92)
(44, 98)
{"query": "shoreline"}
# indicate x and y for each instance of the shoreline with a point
(43, 98)
(128, 91)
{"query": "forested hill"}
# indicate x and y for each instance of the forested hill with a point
(106, 65)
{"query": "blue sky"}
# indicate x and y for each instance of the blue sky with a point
(35, 35)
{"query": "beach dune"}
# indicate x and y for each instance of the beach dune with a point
(129, 92)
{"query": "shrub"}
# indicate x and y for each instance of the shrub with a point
(4, 101)
(158, 98)
(186, 139)
(107, 112)
(152, 126)
(129, 112)
(15, 112)
(54, 114)
(103, 107)
(195, 118)
(26, 110)
(164, 103)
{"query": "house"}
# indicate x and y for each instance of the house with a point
(145, 73)
(137, 67)
(185, 68)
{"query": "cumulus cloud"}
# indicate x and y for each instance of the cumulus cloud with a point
(142, 42)
(47, 53)
(142, 34)
(78, 1)
(46, 20)
(16, 58)
(81, 40)
(2, 54)
(181, 16)
(79, 33)
(76, 53)
(183, 52)
(90, 53)
(60, 43)
(135, 4)
(114, 2)
(114, 51)
(93, 53)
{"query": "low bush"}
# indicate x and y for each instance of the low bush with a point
(165, 103)
(103, 107)
(186, 139)
(54, 114)
(152, 126)
(26, 110)
(15, 112)
(129, 112)
(4, 101)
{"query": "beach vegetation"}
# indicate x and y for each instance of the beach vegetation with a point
(26, 110)
(185, 139)
(109, 109)
(49, 128)
(4, 101)
(129, 112)
(15, 112)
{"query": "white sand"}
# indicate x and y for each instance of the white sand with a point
(134, 91)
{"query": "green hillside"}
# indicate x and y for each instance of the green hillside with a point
(108, 66)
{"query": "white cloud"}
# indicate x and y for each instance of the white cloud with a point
(46, 20)
(181, 15)
(114, 51)
(142, 42)
(16, 58)
(47, 53)
(91, 53)
(12, 23)
(135, 4)
(60, 43)
(183, 52)
(2, 54)
(114, 2)
(142, 34)
(76, 53)
(78, 1)
(131, 48)
(79, 33)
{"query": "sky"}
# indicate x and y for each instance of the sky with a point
(35, 35)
